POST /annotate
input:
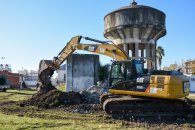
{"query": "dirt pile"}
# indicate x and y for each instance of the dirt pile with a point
(53, 98)
(56, 98)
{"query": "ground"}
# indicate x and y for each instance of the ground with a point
(14, 116)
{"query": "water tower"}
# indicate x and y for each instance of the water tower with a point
(136, 29)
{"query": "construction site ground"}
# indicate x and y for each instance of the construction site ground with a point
(13, 115)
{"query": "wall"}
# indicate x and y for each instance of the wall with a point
(82, 71)
(192, 84)
(31, 83)
(30, 77)
(190, 67)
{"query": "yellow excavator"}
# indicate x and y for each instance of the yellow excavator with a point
(131, 89)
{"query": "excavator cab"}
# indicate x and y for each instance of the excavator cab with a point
(124, 71)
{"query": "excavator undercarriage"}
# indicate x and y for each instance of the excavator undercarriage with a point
(123, 106)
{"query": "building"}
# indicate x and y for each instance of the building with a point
(190, 67)
(5, 67)
(12, 79)
(192, 83)
(29, 77)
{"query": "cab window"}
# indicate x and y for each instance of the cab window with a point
(139, 68)
(121, 72)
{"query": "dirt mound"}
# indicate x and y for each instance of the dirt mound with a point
(53, 98)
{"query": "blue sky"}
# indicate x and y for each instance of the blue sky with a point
(31, 30)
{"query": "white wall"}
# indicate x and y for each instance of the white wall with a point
(82, 72)
(192, 84)
(31, 83)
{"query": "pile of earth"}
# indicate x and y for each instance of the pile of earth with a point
(53, 98)
(56, 98)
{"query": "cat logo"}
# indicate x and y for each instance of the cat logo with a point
(140, 80)
(91, 48)
(102, 50)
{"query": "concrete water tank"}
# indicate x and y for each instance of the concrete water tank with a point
(136, 29)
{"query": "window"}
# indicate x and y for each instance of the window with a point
(139, 68)
(120, 72)
(116, 71)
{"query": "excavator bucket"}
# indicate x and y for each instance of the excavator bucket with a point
(47, 67)
(44, 74)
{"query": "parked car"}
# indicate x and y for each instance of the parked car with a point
(4, 88)
(3, 84)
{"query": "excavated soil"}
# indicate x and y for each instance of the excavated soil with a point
(53, 98)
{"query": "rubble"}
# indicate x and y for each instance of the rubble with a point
(93, 93)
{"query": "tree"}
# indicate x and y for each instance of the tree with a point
(159, 54)
(103, 72)
(2, 80)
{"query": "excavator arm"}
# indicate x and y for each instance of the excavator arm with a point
(104, 49)
(47, 67)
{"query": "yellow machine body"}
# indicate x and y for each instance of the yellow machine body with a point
(166, 87)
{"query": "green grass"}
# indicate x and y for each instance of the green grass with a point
(62, 88)
(13, 122)
(16, 95)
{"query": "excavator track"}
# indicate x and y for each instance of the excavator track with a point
(127, 106)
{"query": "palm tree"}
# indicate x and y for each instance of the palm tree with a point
(159, 54)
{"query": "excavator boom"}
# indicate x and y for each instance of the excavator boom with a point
(66, 51)
(104, 49)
